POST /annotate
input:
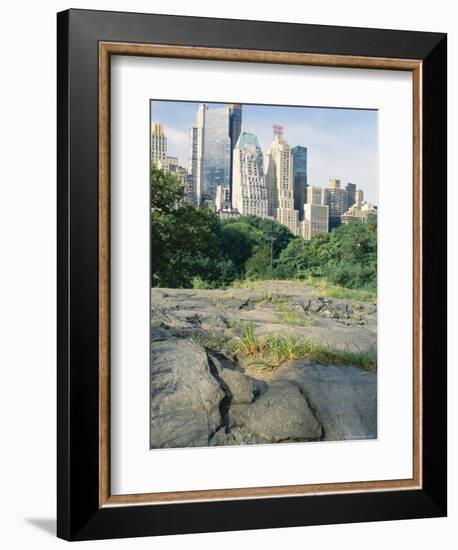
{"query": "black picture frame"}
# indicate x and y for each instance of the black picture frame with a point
(79, 515)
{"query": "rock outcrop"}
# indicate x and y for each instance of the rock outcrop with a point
(185, 396)
(344, 399)
(203, 396)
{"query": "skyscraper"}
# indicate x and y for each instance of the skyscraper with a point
(235, 127)
(316, 213)
(196, 152)
(192, 161)
(217, 152)
(316, 195)
(299, 155)
(222, 199)
(350, 188)
(337, 202)
(279, 182)
(316, 220)
(249, 195)
(212, 140)
(158, 143)
(359, 197)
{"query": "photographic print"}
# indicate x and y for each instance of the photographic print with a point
(263, 274)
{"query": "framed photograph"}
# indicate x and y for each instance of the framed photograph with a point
(252, 274)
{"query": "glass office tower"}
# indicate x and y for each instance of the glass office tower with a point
(217, 152)
(299, 155)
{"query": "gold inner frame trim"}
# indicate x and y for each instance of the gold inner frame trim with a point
(106, 50)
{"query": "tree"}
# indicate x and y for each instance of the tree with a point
(258, 266)
(185, 239)
(295, 260)
(185, 245)
(191, 246)
(166, 190)
(238, 242)
(245, 240)
(347, 256)
(352, 256)
(271, 228)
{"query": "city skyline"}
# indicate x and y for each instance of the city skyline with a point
(341, 143)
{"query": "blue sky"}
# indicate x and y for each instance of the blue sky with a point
(341, 143)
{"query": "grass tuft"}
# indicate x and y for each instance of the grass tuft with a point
(339, 292)
(271, 351)
(247, 343)
(290, 317)
(275, 350)
(326, 289)
(209, 341)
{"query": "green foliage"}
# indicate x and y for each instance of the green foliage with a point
(185, 239)
(352, 260)
(199, 283)
(184, 245)
(166, 190)
(346, 257)
(238, 241)
(191, 247)
(265, 229)
(246, 242)
(295, 260)
(259, 265)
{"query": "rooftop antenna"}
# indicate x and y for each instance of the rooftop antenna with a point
(277, 130)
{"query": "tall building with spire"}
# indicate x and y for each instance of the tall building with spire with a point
(249, 195)
(279, 182)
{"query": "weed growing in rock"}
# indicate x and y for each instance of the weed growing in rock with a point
(247, 343)
(209, 341)
(341, 293)
(275, 350)
(290, 317)
(267, 297)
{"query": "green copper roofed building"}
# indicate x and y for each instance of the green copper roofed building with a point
(249, 194)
